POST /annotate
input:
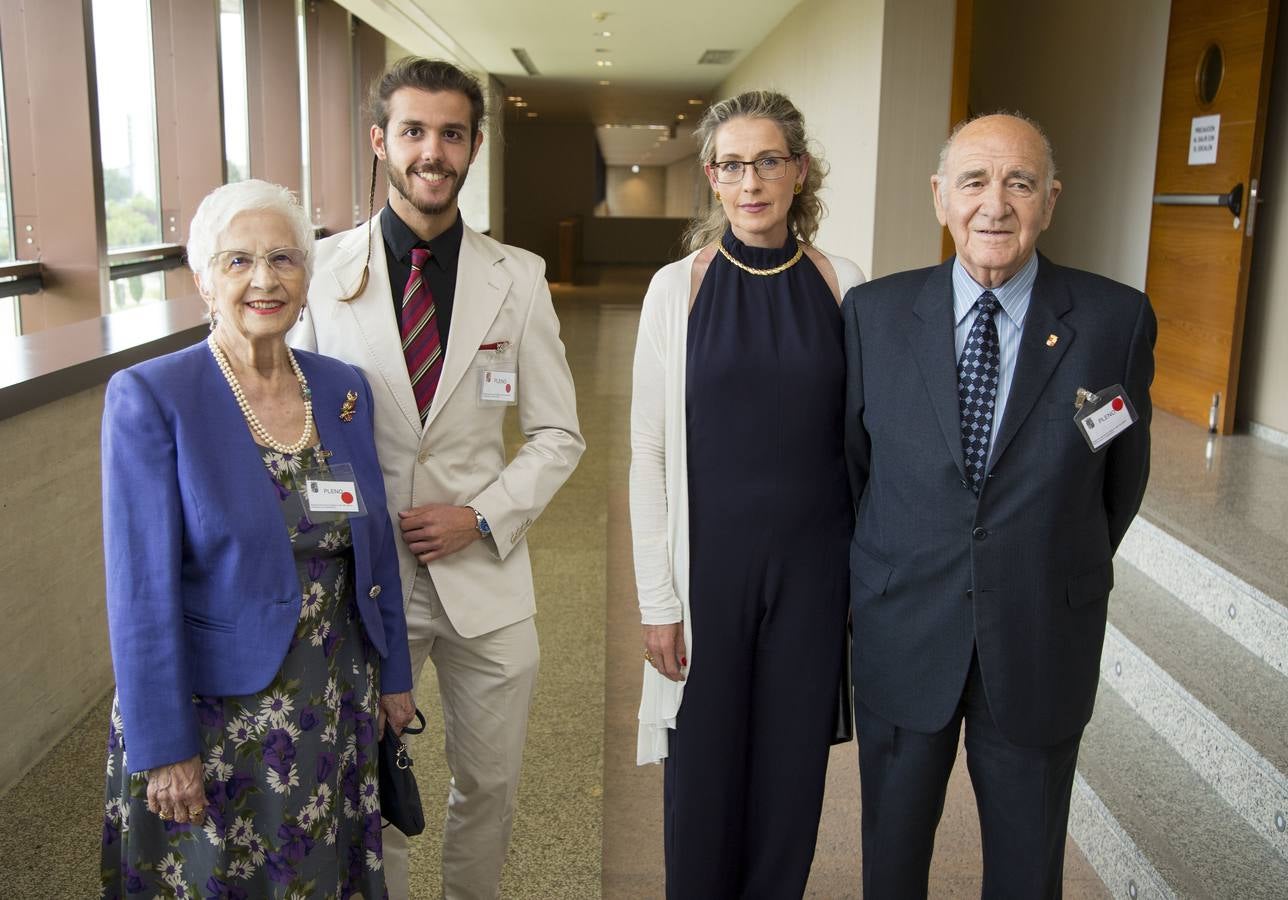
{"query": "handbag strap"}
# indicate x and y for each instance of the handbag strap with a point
(421, 718)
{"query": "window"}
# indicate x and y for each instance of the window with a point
(128, 140)
(302, 51)
(10, 321)
(232, 59)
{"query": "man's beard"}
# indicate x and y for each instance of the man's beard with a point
(401, 183)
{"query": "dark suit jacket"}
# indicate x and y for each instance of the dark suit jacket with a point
(1024, 573)
(202, 590)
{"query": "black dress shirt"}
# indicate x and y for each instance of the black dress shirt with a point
(439, 273)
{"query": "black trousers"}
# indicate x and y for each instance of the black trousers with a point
(747, 760)
(1022, 794)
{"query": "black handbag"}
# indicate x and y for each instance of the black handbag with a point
(399, 796)
(843, 730)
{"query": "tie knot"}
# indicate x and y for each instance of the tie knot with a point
(420, 255)
(987, 303)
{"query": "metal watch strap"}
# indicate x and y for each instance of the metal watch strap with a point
(481, 523)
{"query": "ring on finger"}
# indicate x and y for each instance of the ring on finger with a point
(166, 815)
(648, 655)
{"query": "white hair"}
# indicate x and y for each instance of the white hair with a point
(1048, 151)
(223, 204)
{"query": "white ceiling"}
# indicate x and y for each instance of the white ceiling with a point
(654, 49)
(645, 145)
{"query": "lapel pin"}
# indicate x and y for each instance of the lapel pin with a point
(350, 404)
(1052, 340)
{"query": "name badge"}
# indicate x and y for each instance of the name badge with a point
(332, 490)
(498, 386)
(1104, 415)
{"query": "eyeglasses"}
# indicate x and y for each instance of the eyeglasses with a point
(769, 168)
(287, 262)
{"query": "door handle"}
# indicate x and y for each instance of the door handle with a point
(1233, 201)
(1254, 200)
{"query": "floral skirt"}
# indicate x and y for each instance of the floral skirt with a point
(291, 773)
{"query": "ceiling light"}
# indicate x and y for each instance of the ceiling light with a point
(521, 104)
(603, 62)
(635, 169)
(513, 97)
(599, 16)
(605, 83)
(680, 116)
(525, 60)
(532, 115)
(694, 101)
(602, 34)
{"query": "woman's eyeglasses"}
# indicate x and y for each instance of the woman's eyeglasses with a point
(285, 261)
(769, 168)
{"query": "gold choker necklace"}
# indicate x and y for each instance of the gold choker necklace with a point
(800, 251)
(256, 426)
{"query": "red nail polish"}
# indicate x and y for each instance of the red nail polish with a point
(684, 661)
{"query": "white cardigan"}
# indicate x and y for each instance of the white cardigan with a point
(659, 481)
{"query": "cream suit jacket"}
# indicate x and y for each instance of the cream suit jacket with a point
(459, 456)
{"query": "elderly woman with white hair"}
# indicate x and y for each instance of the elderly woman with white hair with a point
(253, 595)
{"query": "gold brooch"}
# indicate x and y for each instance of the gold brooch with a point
(350, 404)
(1051, 340)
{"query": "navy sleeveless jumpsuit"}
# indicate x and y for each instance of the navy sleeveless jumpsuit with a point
(770, 518)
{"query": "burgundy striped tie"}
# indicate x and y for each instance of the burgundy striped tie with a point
(421, 345)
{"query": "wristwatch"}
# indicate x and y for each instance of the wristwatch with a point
(481, 523)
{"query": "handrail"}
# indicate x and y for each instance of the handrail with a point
(145, 260)
(20, 278)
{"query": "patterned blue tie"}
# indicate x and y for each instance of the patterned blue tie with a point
(977, 388)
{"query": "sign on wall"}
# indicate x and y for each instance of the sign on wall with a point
(1205, 132)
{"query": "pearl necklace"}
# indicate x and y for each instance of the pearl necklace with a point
(256, 426)
(800, 251)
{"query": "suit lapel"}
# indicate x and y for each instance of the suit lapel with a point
(933, 348)
(1037, 358)
(481, 288)
(372, 313)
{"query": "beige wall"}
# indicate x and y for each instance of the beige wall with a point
(54, 639)
(685, 187)
(639, 194)
(1263, 384)
(1092, 74)
(916, 85)
(826, 55)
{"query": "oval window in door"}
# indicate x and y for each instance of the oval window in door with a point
(1211, 72)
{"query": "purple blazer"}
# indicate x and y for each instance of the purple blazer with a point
(202, 590)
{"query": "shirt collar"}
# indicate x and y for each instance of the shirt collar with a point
(1012, 295)
(400, 239)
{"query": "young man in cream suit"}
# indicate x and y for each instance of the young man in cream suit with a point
(451, 329)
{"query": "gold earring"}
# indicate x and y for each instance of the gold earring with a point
(796, 188)
(718, 195)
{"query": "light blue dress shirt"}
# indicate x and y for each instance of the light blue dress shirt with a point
(1013, 301)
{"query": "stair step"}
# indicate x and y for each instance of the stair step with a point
(1247, 614)
(1215, 670)
(1147, 820)
(1226, 497)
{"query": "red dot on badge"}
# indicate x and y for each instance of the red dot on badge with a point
(1117, 404)
(507, 389)
(346, 497)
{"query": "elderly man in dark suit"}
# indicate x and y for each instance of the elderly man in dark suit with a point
(988, 513)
